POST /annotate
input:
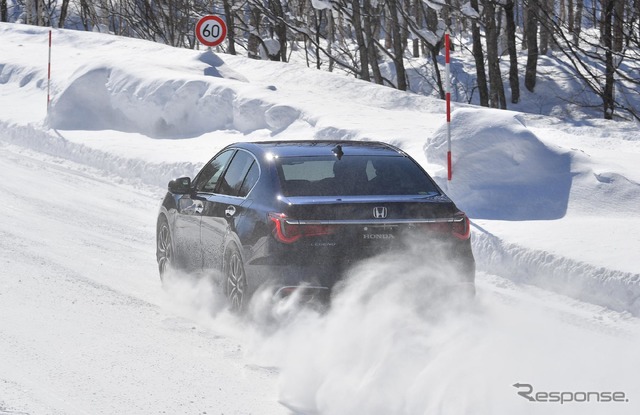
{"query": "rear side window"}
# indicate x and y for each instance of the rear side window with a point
(208, 178)
(250, 180)
(233, 179)
(353, 175)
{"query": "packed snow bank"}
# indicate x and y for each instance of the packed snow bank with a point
(505, 172)
(591, 282)
(115, 98)
(502, 170)
(115, 166)
(258, 94)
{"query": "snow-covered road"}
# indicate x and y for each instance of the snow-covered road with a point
(84, 325)
(87, 329)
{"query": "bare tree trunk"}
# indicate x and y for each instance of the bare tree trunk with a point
(170, 16)
(478, 56)
(280, 28)
(231, 27)
(40, 12)
(398, 49)
(544, 17)
(562, 15)
(577, 23)
(525, 17)
(363, 50)
(514, 81)
(595, 7)
(317, 20)
(601, 22)
(496, 88)
(434, 59)
(388, 29)
(63, 13)
(405, 27)
(370, 42)
(253, 44)
(87, 14)
(419, 22)
(636, 16)
(28, 7)
(430, 19)
(4, 11)
(607, 41)
(570, 15)
(532, 46)
(618, 25)
(331, 35)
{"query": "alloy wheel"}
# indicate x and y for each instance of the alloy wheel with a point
(236, 283)
(165, 254)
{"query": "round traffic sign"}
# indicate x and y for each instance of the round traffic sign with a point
(211, 30)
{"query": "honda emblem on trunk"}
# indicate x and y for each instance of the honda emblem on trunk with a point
(379, 212)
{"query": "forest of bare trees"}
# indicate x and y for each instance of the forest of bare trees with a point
(365, 38)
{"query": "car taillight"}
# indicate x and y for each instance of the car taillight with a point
(460, 227)
(287, 232)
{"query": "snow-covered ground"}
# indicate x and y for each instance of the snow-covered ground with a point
(86, 328)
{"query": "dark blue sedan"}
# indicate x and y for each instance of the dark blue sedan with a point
(298, 214)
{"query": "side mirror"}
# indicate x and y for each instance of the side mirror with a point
(180, 186)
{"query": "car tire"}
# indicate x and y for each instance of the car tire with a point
(235, 279)
(164, 247)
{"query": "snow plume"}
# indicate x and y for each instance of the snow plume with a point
(201, 300)
(361, 355)
(198, 293)
(392, 344)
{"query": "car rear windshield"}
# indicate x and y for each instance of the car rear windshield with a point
(353, 175)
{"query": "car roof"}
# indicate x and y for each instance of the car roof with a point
(320, 148)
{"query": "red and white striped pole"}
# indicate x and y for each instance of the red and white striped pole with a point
(447, 88)
(49, 74)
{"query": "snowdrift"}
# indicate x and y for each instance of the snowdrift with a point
(113, 98)
(502, 170)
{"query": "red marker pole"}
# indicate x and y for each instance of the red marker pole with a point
(49, 74)
(447, 88)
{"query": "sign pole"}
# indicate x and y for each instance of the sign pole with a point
(447, 88)
(49, 75)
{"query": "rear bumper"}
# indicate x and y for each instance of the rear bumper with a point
(455, 269)
(291, 275)
(322, 262)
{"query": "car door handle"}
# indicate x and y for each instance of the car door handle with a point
(230, 211)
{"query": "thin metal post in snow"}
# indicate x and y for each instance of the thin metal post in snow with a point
(49, 75)
(447, 88)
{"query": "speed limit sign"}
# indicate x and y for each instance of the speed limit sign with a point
(211, 30)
